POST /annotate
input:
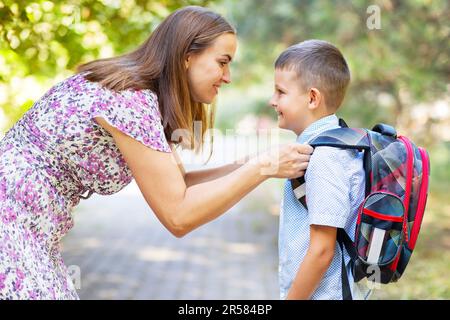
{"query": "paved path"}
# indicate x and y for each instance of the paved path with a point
(123, 252)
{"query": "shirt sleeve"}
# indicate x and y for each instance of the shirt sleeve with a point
(135, 113)
(327, 188)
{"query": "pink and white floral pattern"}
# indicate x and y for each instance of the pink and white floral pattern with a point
(49, 159)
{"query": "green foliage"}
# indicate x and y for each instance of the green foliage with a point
(44, 39)
(394, 68)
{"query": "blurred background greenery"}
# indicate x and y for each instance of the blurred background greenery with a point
(400, 75)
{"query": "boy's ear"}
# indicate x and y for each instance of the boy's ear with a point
(315, 98)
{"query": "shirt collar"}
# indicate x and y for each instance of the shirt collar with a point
(317, 127)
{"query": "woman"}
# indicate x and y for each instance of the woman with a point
(111, 122)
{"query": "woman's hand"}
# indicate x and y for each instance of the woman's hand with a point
(285, 161)
(180, 208)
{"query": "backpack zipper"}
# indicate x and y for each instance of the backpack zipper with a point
(422, 199)
(409, 173)
(382, 216)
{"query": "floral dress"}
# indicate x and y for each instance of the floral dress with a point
(53, 156)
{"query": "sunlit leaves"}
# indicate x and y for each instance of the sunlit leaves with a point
(41, 41)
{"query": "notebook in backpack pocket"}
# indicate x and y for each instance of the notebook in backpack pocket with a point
(379, 238)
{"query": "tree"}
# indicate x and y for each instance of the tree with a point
(394, 69)
(42, 41)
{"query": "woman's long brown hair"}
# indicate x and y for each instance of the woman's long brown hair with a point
(158, 65)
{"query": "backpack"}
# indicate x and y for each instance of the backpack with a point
(389, 219)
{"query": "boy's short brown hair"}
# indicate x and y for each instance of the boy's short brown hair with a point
(318, 64)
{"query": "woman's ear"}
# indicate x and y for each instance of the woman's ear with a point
(315, 98)
(187, 61)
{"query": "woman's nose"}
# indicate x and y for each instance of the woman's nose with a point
(226, 76)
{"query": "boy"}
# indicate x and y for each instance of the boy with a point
(310, 83)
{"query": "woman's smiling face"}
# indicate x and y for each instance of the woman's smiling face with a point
(207, 70)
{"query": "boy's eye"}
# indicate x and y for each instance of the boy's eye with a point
(223, 63)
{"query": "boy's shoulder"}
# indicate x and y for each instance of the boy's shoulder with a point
(334, 154)
(331, 160)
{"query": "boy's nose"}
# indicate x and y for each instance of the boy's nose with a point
(272, 102)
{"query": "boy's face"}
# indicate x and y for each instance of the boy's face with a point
(289, 101)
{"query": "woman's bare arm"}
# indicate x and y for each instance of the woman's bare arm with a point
(199, 176)
(180, 208)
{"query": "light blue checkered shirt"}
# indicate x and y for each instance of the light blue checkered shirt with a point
(334, 191)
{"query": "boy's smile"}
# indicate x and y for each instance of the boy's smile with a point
(289, 101)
